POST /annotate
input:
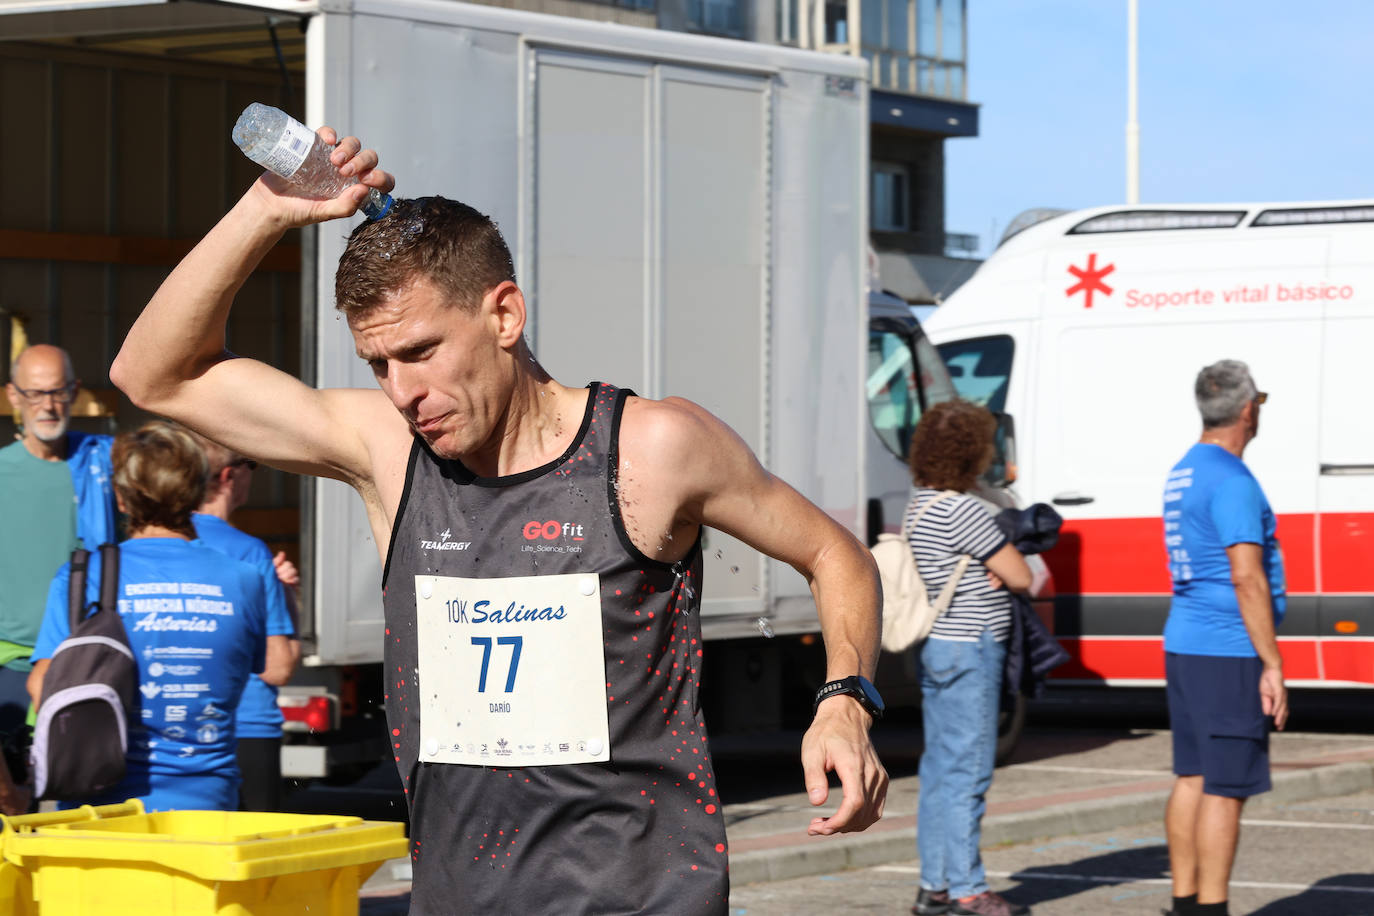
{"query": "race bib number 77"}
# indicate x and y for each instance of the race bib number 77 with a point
(512, 671)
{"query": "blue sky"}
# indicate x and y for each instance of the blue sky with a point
(1239, 100)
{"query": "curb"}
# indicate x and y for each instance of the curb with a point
(865, 850)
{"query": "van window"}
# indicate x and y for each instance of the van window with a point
(897, 393)
(980, 369)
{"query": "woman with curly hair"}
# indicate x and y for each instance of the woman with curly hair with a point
(951, 534)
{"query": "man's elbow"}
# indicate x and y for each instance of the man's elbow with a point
(125, 376)
(1250, 586)
(275, 674)
(134, 380)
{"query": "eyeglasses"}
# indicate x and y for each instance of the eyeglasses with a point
(248, 463)
(1261, 397)
(63, 395)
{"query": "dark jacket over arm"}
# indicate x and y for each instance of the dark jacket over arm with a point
(1032, 651)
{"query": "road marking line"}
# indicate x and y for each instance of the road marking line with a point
(1246, 822)
(1121, 879)
(1051, 768)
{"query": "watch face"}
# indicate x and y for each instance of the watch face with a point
(871, 693)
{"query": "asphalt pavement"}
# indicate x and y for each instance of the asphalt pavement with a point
(1294, 859)
(1061, 782)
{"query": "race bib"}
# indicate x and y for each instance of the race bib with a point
(512, 671)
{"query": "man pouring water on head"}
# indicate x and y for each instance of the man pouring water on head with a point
(556, 760)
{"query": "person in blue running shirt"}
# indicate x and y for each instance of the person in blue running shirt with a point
(259, 719)
(195, 618)
(1222, 662)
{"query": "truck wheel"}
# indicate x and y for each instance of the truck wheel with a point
(1011, 720)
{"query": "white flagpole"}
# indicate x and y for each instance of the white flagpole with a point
(1132, 115)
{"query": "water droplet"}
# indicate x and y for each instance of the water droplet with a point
(720, 554)
(734, 569)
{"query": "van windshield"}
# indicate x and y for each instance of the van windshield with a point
(981, 369)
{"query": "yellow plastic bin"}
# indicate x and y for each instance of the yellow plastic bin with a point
(116, 859)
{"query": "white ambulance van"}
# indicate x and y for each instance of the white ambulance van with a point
(1088, 330)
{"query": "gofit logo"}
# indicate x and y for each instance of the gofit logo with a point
(552, 530)
(444, 543)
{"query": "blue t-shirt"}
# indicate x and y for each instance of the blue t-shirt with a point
(196, 621)
(259, 715)
(1211, 502)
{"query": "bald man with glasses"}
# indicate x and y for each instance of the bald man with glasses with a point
(56, 488)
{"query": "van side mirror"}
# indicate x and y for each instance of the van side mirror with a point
(1002, 471)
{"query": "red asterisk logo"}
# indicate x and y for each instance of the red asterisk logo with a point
(1090, 281)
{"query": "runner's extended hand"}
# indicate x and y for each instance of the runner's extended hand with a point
(838, 741)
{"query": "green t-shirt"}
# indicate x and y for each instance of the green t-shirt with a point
(37, 535)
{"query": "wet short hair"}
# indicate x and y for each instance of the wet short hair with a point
(1222, 391)
(952, 445)
(159, 475)
(445, 242)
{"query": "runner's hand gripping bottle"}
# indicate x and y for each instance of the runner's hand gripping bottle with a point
(281, 144)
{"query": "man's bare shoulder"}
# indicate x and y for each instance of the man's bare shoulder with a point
(680, 441)
(666, 427)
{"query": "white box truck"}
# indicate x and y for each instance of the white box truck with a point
(1089, 329)
(688, 216)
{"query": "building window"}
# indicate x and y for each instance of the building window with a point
(890, 197)
(719, 17)
(916, 46)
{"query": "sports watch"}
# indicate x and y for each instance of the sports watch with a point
(857, 686)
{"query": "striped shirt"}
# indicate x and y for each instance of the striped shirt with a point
(956, 526)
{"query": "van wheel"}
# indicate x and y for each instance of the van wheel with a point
(1011, 721)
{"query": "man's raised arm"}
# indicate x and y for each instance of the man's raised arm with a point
(174, 362)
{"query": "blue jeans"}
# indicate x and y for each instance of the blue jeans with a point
(960, 689)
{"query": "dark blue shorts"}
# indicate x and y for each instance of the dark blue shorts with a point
(1220, 732)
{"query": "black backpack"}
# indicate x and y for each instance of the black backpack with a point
(82, 731)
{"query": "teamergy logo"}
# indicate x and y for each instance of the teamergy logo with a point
(444, 543)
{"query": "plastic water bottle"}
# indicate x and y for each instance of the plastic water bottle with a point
(281, 144)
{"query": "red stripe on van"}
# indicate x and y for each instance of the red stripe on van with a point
(1347, 546)
(1125, 556)
(1143, 659)
(1347, 660)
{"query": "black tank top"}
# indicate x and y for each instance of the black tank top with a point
(642, 833)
